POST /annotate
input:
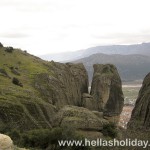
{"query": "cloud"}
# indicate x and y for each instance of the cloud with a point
(121, 38)
(14, 35)
(66, 25)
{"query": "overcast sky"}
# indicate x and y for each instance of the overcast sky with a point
(53, 26)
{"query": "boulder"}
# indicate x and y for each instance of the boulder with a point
(80, 118)
(6, 143)
(140, 117)
(106, 89)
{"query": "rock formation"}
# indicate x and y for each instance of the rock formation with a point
(48, 87)
(80, 118)
(140, 117)
(89, 102)
(106, 89)
(65, 86)
(6, 143)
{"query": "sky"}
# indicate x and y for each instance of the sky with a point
(54, 26)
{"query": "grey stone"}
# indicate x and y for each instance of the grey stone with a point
(106, 89)
(140, 117)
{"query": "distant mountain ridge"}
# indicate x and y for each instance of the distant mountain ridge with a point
(131, 67)
(143, 49)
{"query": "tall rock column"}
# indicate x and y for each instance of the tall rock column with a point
(140, 117)
(64, 85)
(106, 89)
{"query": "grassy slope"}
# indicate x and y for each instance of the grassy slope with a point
(22, 103)
(28, 66)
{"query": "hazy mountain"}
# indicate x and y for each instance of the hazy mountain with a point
(66, 56)
(130, 67)
(143, 49)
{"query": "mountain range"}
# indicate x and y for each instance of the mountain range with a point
(130, 67)
(143, 49)
(132, 61)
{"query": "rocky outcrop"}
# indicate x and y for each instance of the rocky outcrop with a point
(106, 89)
(140, 117)
(79, 118)
(48, 87)
(64, 86)
(6, 143)
(89, 102)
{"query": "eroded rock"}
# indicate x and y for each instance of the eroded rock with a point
(65, 85)
(140, 117)
(80, 118)
(106, 89)
(88, 102)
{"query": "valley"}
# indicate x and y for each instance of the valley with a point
(130, 90)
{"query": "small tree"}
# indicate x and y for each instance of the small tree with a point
(110, 130)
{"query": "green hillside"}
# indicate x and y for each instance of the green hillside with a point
(32, 90)
(20, 102)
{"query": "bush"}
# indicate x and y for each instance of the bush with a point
(36, 138)
(110, 130)
(9, 49)
(46, 138)
(25, 51)
(16, 136)
(16, 82)
(3, 72)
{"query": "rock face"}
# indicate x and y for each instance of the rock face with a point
(140, 117)
(65, 86)
(80, 118)
(89, 102)
(6, 143)
(106, 89)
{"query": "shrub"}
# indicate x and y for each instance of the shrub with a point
(110, 130)
(3, 72)
(25, 51)
(17, 82)
(36, 138)
(46, 138)
(55, 135)
(9, 49)
(16, 136)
